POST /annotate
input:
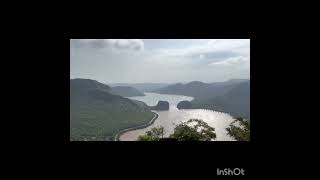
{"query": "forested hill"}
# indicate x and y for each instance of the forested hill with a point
(231, 96)
(235, 101)
(96, 114)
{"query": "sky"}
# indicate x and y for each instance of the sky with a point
(159, 60)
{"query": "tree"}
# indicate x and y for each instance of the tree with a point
(194, 130)
(154, 135)
(240, 132)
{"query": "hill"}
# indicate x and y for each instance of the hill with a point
(126, 91)
(184, 105)
(96, 114)
(235, 101)
(200, 90)
(231, 96)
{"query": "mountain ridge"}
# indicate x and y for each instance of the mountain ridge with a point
(142, 87)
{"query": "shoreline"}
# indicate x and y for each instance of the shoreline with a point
(117, 136)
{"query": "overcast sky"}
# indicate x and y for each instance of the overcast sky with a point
(159, 60)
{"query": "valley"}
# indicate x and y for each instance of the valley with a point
(99, 113)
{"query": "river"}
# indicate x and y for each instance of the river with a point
(168, 119)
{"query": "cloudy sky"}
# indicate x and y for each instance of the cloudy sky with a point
(159, 60)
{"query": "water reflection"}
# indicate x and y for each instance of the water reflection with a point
(168, 119)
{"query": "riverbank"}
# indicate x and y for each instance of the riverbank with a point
(117, 136)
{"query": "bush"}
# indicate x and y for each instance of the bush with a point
(192, 130)
(154, 135)
(200, 131)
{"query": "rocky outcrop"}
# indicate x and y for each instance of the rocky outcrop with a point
(161, 106)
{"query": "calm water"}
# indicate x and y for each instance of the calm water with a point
(168, 119)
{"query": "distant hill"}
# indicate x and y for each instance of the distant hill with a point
(231, 81)
(200, 90)
(96, 114)
(126, 91)
(142, 87)
(231, 96)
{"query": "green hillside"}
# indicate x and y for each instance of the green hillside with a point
(96, 114)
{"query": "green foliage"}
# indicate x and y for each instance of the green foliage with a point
(194, 130)
(154, 135)
(240, 132)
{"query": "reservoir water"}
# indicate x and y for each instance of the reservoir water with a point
(168, 119)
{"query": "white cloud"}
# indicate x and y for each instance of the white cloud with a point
(209, 52)
(221, 48)
(117, 60)
(129, 44)
(231, 61)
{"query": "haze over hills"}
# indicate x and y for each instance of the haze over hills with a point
(200, 90)
(126, 91)
(96, 114)
(143, 87)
